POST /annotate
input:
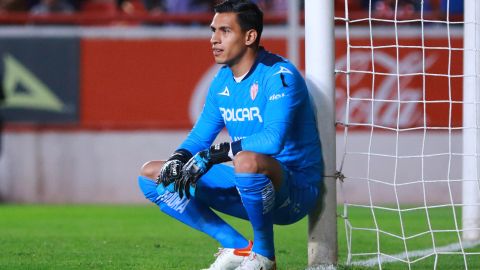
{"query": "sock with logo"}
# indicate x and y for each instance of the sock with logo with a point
(258, 197)
(193, 213)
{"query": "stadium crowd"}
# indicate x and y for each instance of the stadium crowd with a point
(383, 8)
(127, 6)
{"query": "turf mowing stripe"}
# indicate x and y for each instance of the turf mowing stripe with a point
(418, 253)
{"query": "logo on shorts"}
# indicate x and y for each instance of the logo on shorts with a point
(172, 200)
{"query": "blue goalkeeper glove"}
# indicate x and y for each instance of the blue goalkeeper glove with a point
(198, 165)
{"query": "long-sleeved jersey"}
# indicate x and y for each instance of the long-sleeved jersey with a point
(269, 112)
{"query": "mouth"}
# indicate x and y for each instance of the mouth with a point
(217, 52)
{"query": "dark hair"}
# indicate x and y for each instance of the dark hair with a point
(249, 15)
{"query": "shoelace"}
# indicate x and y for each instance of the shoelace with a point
(250, 257)
(219, 254)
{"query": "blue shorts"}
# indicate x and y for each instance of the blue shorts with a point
(296, 196)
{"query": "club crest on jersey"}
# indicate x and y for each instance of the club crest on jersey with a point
(254, 90)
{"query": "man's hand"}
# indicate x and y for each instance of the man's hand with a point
(171, 170)
(198, 165)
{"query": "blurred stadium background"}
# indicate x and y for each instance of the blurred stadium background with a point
(94, 92)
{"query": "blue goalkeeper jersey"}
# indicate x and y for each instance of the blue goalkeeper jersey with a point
(268, 112)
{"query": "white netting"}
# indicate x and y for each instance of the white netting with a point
(399, 80)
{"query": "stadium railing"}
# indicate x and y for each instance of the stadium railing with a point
(103, 18)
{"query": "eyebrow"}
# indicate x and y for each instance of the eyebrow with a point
(213, 28)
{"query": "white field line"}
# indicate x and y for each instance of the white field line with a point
(413, 254)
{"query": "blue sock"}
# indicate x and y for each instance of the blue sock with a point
(258, 197)
(193, 213)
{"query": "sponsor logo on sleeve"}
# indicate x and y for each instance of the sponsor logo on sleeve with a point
(238, 138)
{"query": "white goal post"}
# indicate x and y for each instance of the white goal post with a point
(471, 121)
(319, 73)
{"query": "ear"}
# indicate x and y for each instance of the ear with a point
(250, 37)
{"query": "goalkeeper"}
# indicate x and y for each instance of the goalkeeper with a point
(263, 102)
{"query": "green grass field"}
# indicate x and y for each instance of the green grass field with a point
(140, 237)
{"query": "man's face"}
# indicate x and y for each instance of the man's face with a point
(228, 39)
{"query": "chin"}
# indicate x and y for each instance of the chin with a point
(219, 60)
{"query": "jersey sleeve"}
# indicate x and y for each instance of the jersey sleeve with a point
(284, 94)
(206, 129)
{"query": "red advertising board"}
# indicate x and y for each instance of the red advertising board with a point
(160, 84)
(146, 84)
(140, 83)
(404, 86)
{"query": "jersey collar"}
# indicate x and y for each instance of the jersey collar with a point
(260, 55)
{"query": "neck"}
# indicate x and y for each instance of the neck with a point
(245, 63)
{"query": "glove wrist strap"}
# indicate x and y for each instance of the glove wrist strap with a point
(219, 153)
(181, 154)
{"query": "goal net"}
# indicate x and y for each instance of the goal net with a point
(408, 111)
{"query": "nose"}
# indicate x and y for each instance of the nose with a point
(214, 38)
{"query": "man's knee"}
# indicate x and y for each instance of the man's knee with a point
(251, 162)
(151, 169)
(247, 162)
(148, 188)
